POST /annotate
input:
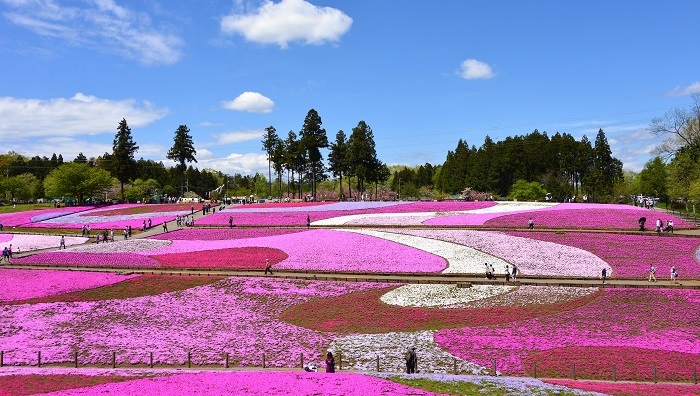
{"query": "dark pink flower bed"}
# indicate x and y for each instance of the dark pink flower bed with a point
(582, 217)
(120, 260)
(232, 258)
(627, 389)
(621, 363)
(217, 234)
(631, 255)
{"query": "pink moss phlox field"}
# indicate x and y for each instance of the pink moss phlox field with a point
(109, 218)
(130, 209)
(630, 389)
(631, 255)
(25, 218)
(268, 383)
(17, 284)
(63, 258)
(294, 216)
(217, 234)
(230, 258)
(241, 317)
(662, 320)
(530, 256)
(587, 216)
(328, 250)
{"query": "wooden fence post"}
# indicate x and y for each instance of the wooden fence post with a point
(38, 359)
(534, 369)
(189, 359)
(263, 359)
(340, 360)
(114, 359)
(2, 357)
(695, 371)
(494, 367)
(75, 358)
(614, 374)
(301, 356)
(377, 363)
(150, 361)
(226, 364)
(454, 365)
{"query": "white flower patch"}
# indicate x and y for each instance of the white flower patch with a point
(360, 352)
(29, 242)
(461, 259)
(83, 218)
(128, 246)
(444, 296)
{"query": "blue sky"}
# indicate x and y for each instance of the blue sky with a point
(422, 74)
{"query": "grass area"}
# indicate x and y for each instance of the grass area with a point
(467, 388)
(21, 385)
(9, 208)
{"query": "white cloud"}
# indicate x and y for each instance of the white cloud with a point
(245, 164)
(100, 24)
(685, 91)
(288, 21)
(79, 115)
(472, 69)
(251, 102)
(238, 136)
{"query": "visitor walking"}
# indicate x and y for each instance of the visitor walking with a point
(330, 362)
(62, 244)
(411, 360)
(515, 272)
(652, 273)
(604, 274)
(268, 267)
(674, 273)
(530, 224)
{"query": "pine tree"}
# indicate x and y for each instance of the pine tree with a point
(123, 164)
(182, 151)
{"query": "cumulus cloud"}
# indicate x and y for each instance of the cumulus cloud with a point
(472, 69)
(238, 136)
(245, 164)
(685, 91)
(80, 115)
(100, 24)
(288, 21)
(251, 102)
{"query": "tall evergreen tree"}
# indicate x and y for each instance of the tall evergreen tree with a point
(182, 151)
(269, 139)
(123, 165)
(362, 154)
(338, 159)
(313, 138)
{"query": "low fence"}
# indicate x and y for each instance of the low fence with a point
(588, 370)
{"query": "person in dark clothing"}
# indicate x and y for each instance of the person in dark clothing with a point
(411, 361)
(268, 266)
(330, 362)
(604, 274)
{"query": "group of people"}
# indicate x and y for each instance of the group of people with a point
(510, 273)
(330, 364)
(184, 220)
(660, 226)
(7, 254)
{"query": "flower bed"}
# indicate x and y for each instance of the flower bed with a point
(588, 216)
(217, 234)
(480, 216)
(660, 320)
(530, 256)
(630, 389)
(364, 312)
(16, 284)
(241, 317)
(253, 383)
(131, 287)
(297, 216)
(25, 218)
(28, 242)
(134, 209)
(631, 255)
(64, 258)
(232, 258)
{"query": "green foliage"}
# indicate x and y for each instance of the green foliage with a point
(22, 187)
(527, 191)
(122, 164)
(143, 190)
(182, 150)
(77, 180)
